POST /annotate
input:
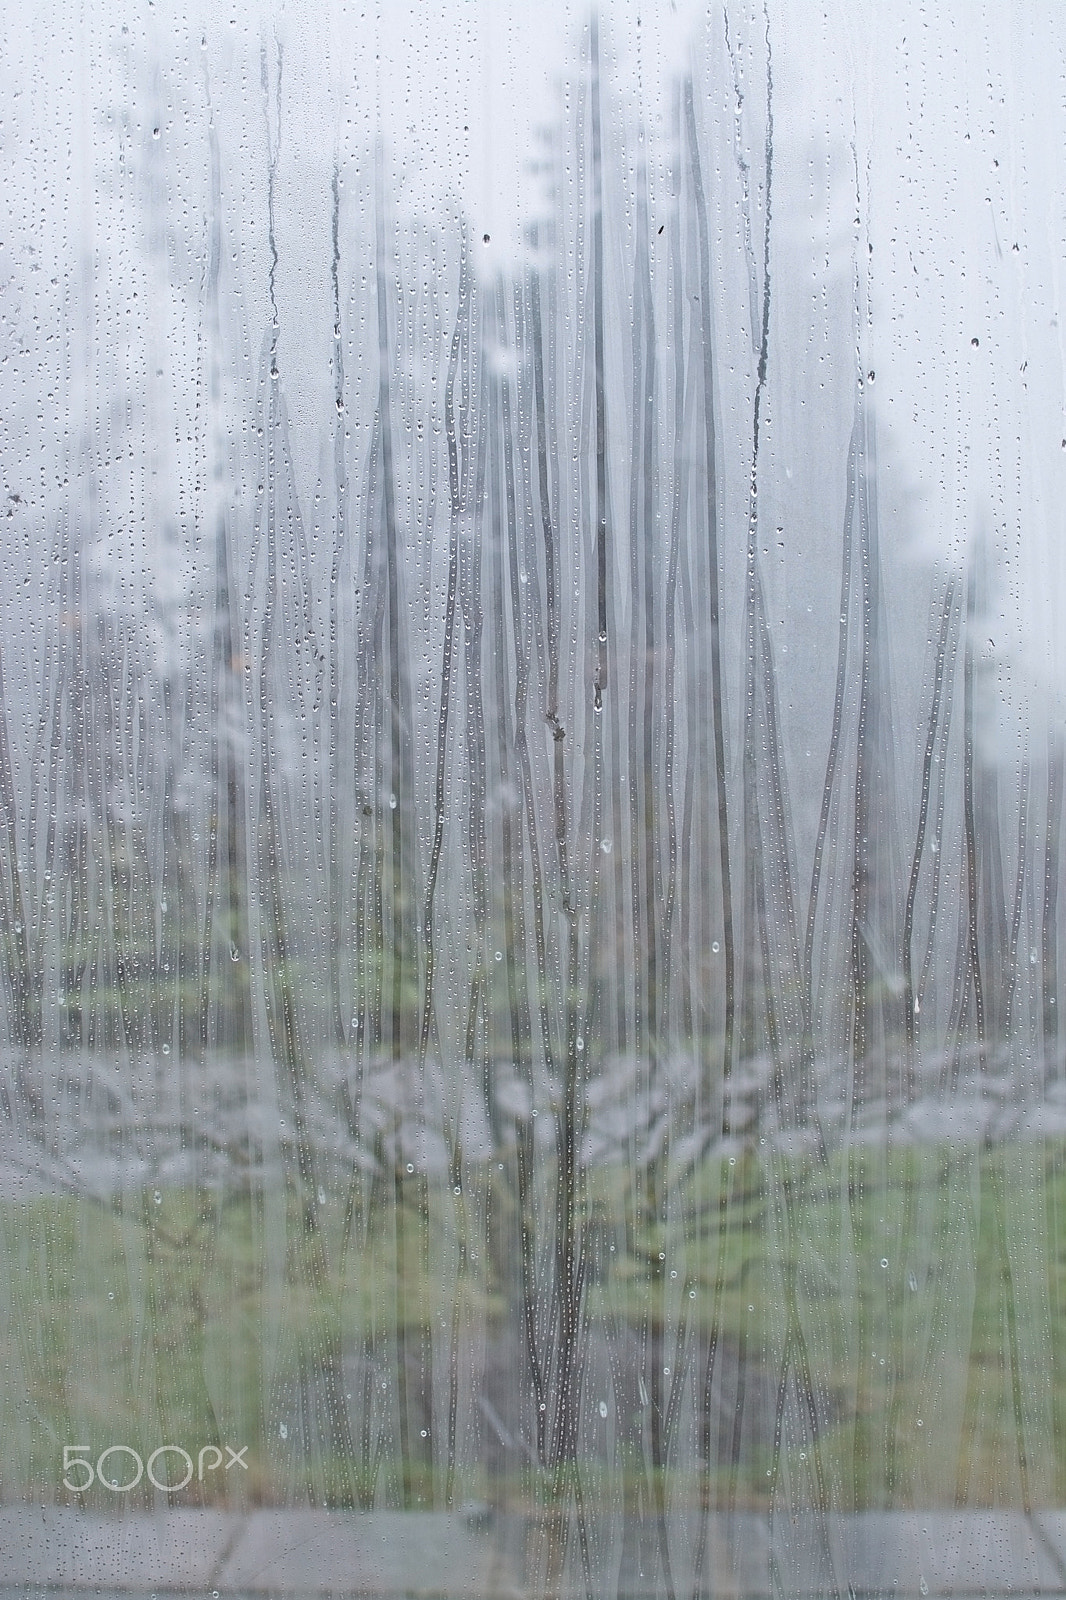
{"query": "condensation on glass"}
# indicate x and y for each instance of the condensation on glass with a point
(532, 757)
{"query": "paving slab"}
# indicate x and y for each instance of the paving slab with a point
(1051, 1526)
(60, 1546)
(737, 1563)
(373, 1552)
(914, 1553)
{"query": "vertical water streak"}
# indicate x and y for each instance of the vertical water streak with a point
(911, 1004)
(714, 644)
(1049, 948)
(340, 542)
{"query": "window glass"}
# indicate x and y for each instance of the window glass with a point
(531, 799)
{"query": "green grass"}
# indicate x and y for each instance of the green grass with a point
(920, 1292)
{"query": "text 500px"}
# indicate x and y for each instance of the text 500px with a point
(121, 1468)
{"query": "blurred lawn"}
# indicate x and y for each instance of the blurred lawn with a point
(918, 1293)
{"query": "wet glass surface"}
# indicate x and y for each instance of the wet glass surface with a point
(531, 801)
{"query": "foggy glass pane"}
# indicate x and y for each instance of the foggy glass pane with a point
(532, 756)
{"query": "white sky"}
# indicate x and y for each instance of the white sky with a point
(958, 111)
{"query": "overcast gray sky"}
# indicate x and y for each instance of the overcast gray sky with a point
(951, 115)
